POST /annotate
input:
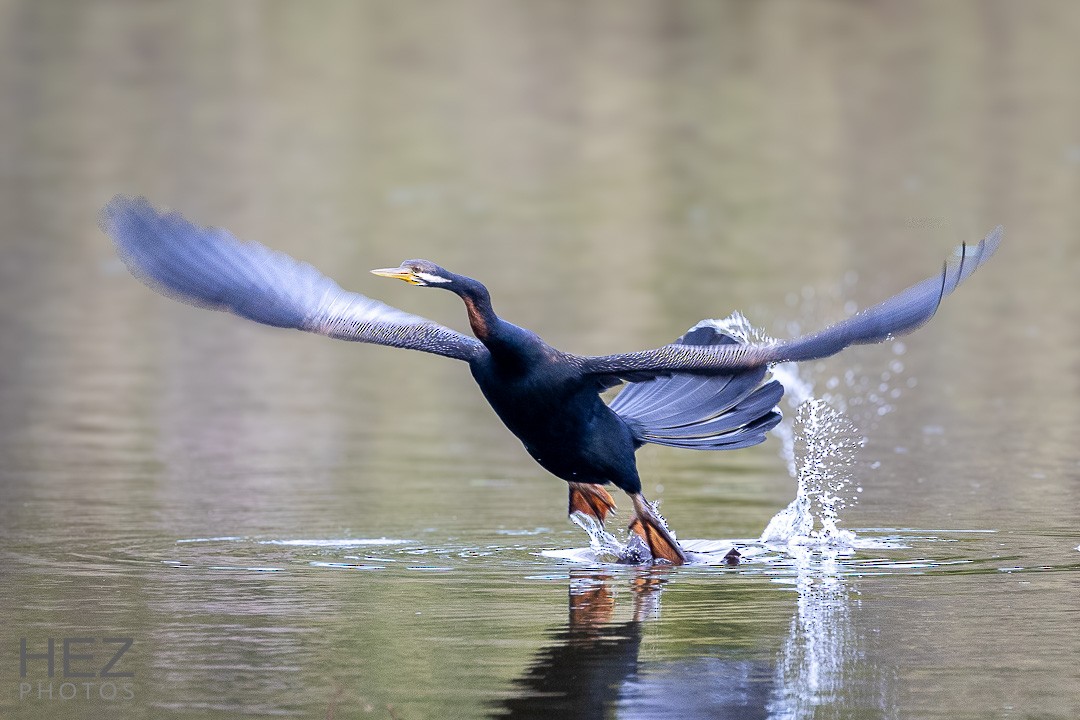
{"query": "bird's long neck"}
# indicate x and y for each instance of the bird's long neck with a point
(512, 349)
(482, 318)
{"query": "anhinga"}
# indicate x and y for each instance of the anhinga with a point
(705, 391)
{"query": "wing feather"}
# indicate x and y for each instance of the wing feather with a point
(900, 314)
(209, 267)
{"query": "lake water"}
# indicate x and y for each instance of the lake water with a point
(254, 522)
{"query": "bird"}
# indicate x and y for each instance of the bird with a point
(707, 390)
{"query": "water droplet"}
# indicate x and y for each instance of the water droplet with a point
(826, 443)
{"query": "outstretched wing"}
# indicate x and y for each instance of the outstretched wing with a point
(211, 268)
(898, 315)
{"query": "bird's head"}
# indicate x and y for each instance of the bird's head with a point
(419, 272)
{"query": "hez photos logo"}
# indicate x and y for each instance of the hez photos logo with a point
(77, 668)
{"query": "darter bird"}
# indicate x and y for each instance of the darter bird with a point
(705, 391)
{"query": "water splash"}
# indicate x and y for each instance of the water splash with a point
(825, 444)
(606, 547)
(822, 648)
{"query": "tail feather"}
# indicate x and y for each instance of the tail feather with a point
(687, 410)
(647, 399)
(718, 412)
(758, 404)
(746, 436)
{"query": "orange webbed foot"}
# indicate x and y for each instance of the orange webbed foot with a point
(650, 528)
(592, 500)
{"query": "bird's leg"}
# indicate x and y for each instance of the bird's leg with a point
(648, 525)
(592, 500)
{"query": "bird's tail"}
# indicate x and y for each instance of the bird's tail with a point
(715, 412)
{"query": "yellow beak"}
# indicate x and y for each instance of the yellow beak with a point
(398, 274)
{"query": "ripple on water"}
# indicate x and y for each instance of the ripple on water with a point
(346, 542)
(870, 552)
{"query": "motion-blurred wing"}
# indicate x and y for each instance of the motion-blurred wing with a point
(898, 315)
(210, 268)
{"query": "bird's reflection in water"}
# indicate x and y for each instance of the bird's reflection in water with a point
(582, 671)
(591, 669)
